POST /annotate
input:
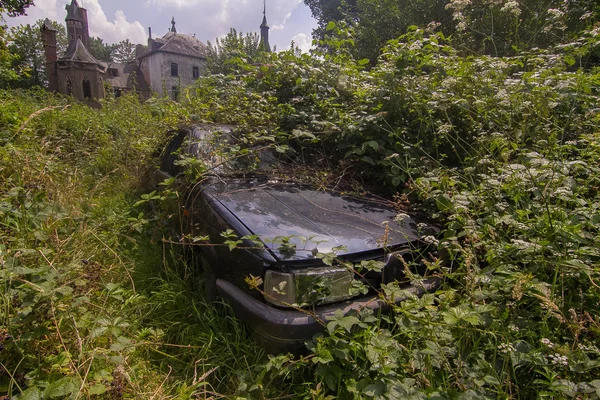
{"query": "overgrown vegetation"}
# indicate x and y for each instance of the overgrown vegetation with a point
(492, 27)
(503, 152)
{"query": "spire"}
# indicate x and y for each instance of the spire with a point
(264, 21)
(173, 29)
(264, 30)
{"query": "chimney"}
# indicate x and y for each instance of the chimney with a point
(86, 29)
(150, 41)
(49, 41)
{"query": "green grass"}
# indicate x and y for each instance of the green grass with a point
(502, 153)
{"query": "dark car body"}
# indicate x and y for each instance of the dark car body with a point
(304, 248)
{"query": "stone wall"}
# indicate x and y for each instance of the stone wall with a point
(77, 75)
(156, 69)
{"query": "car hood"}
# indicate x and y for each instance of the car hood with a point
(294, 221)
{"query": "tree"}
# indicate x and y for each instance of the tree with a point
(124, 51)
(325, 11)
(495, 27)
(233, 50)
(14, 7)
(26, 46)
(7, 74)
(100, 50)
(507, 26)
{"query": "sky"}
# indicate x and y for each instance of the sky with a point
(116, 20)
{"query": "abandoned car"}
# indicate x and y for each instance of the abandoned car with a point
(287, 256)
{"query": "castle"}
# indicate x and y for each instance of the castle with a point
(165, 66)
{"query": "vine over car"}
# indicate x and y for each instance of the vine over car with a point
(288, 256)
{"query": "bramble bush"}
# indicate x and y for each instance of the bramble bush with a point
(502, 152)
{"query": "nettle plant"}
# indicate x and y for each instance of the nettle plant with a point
(505, 152)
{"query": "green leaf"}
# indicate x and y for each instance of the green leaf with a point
(330, 26)
(63, 387)
(33, 393)
(346, 322)
(97, 389)
(443, 202)
(41, 236)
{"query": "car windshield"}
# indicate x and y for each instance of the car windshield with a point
(224, 151)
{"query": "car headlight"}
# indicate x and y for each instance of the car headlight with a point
(309, 286)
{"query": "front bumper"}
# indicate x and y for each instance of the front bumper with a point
(287, 329)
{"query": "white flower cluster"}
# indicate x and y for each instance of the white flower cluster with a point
(458, 6)
(506, 348)
(401, 217)
(511, 7)
(431, 240)
(555, 13)
(421, 226)
(557, 359)
(588, 348)
(547, 343)
(444, 129)
(513, 328)
(503, 97)
(525, 245)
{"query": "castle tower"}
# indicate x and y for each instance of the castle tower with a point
(264, 31)
(49, 41)
(77, 24)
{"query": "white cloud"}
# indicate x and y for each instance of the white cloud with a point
(281, 26)
(303, 41)
(175, 3)
(43, 9)
(111, 31)
(218, 16)
(116, 30)
(116, 20)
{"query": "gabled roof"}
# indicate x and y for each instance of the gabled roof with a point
(78, 52)
(180, 43)
(122, 76)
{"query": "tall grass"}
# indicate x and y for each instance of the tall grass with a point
(91, 301)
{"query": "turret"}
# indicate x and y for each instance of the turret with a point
(264, 30)
(77, 24)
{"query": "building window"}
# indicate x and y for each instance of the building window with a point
(195, 72)
(87, 89)
(69, 87)
(175, 92)
(174, 69)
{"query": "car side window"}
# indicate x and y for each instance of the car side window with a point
(171, 154)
